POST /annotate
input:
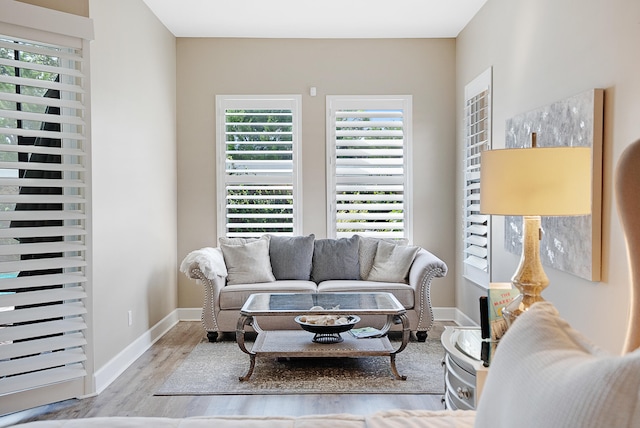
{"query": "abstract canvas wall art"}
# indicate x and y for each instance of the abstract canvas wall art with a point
(570, 244)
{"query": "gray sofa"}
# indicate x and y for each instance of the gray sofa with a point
(237, 268)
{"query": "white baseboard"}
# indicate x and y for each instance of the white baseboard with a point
(106, 374)
(452, 314)
(463, 319)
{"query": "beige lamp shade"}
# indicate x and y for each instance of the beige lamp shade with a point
(540, 181)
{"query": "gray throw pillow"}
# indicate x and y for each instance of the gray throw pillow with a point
(366, 254)
(392, 262)
(291, 256)
(335, 259)
(248, 262)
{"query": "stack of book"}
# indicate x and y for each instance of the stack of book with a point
(492, 324)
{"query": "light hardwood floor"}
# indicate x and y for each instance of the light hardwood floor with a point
(132, 393)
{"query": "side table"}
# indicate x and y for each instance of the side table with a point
(466, 364)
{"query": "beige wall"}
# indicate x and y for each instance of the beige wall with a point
(543, 51)
(134, 173)
(422, 68)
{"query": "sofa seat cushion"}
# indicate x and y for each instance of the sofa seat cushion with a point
(234, 296)
(403, 292)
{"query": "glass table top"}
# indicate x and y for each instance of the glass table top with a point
(336, 303)
(470, 343)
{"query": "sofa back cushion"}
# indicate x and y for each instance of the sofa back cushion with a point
(291, 256)
(335, 259)
(546, 374)
(247, 262)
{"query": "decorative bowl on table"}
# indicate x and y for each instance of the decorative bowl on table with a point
(327, 330)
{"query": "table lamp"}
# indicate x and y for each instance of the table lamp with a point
(534, 182)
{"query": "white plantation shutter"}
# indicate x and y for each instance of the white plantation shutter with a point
(477, 113)
(369, 140)
(43, 214)
(258, 153)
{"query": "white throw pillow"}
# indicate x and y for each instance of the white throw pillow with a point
(248, 262)
(392, 262)
(367, 252)
(546, 374)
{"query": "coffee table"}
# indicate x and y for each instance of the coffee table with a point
(299, 343)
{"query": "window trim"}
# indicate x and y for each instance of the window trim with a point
(224, 102)
(47, 27)
(403, 102)
(39, 24)
(483, 82)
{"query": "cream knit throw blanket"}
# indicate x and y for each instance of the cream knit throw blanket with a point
(209, 260)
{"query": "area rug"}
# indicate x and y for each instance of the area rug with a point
(214, 368)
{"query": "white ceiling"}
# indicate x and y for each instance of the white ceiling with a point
(315, 19)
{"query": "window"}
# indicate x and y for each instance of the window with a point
(258, 150)
(43, 218)
(369, 177)
(477, 126)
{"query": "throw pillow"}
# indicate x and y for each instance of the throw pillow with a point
(335, 259)
(546, 374)
(236, 241)
(392, 262)
(367, 252)
(248, 262)
(291, 256)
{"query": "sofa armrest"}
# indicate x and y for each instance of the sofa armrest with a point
(207, 267)
(426, 266)
(211, 304)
